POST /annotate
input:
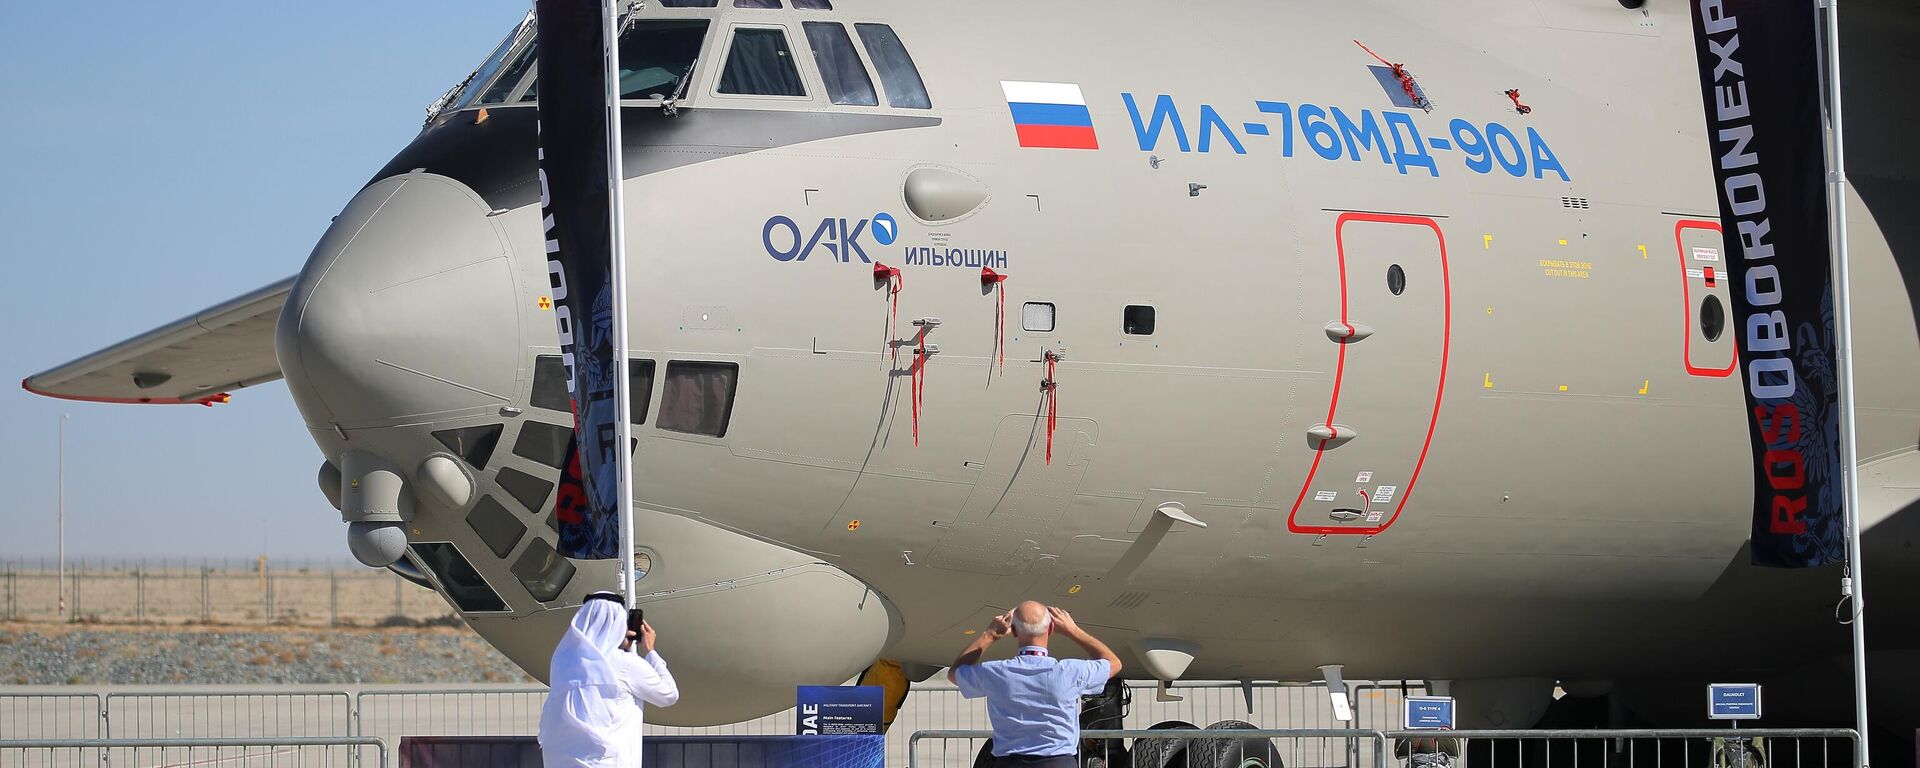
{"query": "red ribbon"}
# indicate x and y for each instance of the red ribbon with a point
(1052, 389)
(1514, 94)
(918, 383)
(1405, 78)
(895, 281)
(998, 281)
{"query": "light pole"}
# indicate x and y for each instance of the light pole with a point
(61, 497)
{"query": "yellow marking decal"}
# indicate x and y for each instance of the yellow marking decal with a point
(853, 525)
(1644, 384)
(971, 632)
(1073, 590)
(1488, 240)
(1643, 251)
(1563, 241)
(1578, 270)
(1487, 382)
(544, 303)
(1563, 387)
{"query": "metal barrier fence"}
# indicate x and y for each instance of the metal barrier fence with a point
(330, 752)
(1182, 747)
(390, 713)
(51, 715)
(1697, 748)
(227, 714)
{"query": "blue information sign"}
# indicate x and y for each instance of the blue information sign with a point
(1733, 701)
(1430, 713)
(824, 710)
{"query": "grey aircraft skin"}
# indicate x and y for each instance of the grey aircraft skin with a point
(1511, 366)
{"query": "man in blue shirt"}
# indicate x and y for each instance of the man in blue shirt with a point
(1033, 699)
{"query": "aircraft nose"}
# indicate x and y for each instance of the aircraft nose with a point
(404, 312)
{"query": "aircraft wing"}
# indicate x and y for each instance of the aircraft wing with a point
(196, 359)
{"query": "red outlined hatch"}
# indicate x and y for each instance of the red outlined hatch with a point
(1396, 303)
(1703, 274)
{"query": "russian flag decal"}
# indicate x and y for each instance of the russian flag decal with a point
(1050, 115)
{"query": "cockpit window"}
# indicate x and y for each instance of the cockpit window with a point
(656, 54)
(897, 73)
(512, 76)
(840, 67)
(760, 63)
(484, 75)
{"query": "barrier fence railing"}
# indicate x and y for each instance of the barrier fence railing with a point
(227, 714)
(327, 752)
(1180, 747)
(52, 715)
(514, 709)
(1644, 748)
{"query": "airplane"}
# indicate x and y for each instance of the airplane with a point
(1262, 336)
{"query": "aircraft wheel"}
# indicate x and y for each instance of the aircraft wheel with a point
(1162, 753)
(1231, 752)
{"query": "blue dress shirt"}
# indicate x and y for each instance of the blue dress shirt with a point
(1033, 699)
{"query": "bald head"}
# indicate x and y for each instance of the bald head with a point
(1031, 622)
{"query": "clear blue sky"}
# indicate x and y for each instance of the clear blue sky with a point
(161, 157)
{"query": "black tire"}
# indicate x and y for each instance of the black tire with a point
(1162, 753)
(1232, 752)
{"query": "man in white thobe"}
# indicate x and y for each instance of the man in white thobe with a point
(593, 712)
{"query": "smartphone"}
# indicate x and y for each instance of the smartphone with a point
(634, 618)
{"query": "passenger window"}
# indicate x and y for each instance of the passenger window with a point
(761, 64)
(687, 3)
(698, 397)
(655, 55)
(1137, 320)
(457, 578)
(756, 3)
(813, 5)
(897, 73)
(1037, 316)
(840, 67)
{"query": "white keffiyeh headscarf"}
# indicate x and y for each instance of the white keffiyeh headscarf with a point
(585, 705)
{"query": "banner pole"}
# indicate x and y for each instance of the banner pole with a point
(623, 403)
(1850, 580)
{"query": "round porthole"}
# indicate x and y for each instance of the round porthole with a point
(1713, 317)
(1396, 279)
(642, 563)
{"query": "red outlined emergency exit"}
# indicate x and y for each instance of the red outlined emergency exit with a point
(1390, 375)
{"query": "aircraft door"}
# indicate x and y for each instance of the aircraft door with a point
(1704, 291)
(1388, 350)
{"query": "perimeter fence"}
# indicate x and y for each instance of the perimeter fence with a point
(1231, 747)
(389, 713)
(334, 752)
(258, 591)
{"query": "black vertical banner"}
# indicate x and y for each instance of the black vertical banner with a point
(1759, 78)
(575, 200)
